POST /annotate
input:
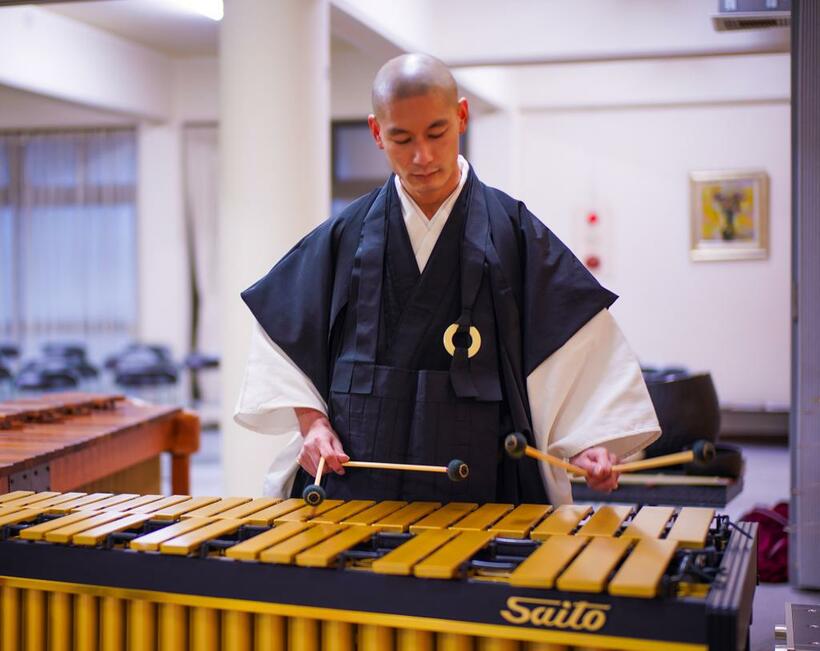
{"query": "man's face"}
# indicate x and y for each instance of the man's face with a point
(419, 136)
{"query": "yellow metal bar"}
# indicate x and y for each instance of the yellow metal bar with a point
(22, 515)
(444, 563)
(444, 517)
(285, 551)
(308, 512)
(640, 575)
(173, 627)
(59, 499)
(112, 624)
(191, 541)
(114, 500)
(589, 571)
(565, 518)
(691, 526)
(547, 646)
(173, 512)
(244, 510)
(497, 644)
(30, 500)
(142, 626)
(150, 542)
(65, 533)
(325, 553)
(268, 515)
(83, 503)
(605, 521)
(375, 638)
(409, 639)
(59, 621)
(151, 506)
(343, 512)
(215, 508)
(337, 636)
(375, 512)
(540, 569)
(650, 522)
(303, 634)
(485, 516)
(9, 616)
(248, 550)
(13, 495)
(37, 531)
(85, 622)
(205, 629)
(34, 625)
(403, 558)
(400, 520)
(522, 519)
(93, 537)
(268, 632)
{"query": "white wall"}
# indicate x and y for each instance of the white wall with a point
(627, 157)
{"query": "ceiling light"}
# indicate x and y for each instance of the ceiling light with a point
(211, 8)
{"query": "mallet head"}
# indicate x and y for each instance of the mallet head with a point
(704, 451)
(313, 495)
(457, 470)
(515, 444)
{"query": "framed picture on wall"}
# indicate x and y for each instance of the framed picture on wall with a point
(729, 215)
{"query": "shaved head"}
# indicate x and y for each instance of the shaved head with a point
(411, 75)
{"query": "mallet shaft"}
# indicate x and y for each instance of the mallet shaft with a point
(394, 466)
(319, 470)
(535, 453)
(658, 462)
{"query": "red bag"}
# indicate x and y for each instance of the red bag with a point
(772, 541)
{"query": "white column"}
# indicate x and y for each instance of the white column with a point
(274, 148)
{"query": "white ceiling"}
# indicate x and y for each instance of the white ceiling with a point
(153, 23)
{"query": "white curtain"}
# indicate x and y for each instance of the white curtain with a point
(68, 238)
(202, 217)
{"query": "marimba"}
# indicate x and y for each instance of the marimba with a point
(80, 441)
(103, 571)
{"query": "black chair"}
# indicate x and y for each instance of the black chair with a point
(44, 375)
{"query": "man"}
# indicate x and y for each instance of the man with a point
(430, 319)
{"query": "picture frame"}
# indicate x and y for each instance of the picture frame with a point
(729, 215)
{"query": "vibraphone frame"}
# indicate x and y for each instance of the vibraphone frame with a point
(114, 595)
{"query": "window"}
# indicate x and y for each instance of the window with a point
(68, 238)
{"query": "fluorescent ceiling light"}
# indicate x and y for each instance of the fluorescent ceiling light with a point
(211, 8)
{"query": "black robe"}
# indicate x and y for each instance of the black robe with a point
(541, 296)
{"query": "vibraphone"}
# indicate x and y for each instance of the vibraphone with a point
(80, 441)
(104, 571)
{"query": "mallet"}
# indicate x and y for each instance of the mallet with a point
(516, 446)
(456, 470)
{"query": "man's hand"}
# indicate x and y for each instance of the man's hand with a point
(319, 440)
(598, 463)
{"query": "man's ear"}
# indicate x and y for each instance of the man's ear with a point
(463, 114)
(376, 130)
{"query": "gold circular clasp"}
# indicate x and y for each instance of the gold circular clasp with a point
(475, 340)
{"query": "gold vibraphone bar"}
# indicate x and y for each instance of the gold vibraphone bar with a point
(139, 572)
(80, 441)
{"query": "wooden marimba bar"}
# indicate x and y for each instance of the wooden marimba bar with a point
(70, 441)
(103, 571)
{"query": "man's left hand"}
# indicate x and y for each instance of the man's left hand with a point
(598, 463)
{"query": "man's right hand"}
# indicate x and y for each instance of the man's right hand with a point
(319, 440)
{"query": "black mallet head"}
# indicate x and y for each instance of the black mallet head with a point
(457, 470)
(313, 495)
(515, 444)
(704, 451)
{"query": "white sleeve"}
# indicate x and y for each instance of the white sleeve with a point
(273, 385)
(589, 392)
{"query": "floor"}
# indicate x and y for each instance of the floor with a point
(766, 482)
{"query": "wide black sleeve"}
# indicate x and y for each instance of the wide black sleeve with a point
(559, 295)
(298, 300)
